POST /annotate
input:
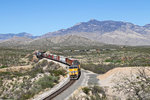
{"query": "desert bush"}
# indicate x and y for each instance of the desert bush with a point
(50, 64)
(1, 82)
(30, 57)
(47, 81)
(44, 63)
(100, 69)
(3, 66)
(86, 90)
(97, 89)
(92, 93)
(59, 72)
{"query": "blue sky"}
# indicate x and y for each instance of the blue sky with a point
(41, 16)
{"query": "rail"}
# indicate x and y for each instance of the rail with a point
(59, 91)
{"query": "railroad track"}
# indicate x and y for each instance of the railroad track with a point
(59, 91)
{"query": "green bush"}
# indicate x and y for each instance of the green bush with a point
(26, 95)
(47, 81)
(86, 90)
(44, 63)
(59, 72)
(30, 57)
(50, 64)
(3, 66)
(97, 89)
(108, 60)
(100, 69)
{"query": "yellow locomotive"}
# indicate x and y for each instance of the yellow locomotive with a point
(74, 70)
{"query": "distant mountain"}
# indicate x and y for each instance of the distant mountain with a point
(10, 35)
(15, 41)
(110, 32)
(147, 26)
(93, 32)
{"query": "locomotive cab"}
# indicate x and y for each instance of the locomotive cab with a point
(74, 70)
(40, 55)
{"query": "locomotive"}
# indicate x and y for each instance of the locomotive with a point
(74, 65)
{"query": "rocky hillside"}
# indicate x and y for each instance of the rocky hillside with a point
(25, 82)
(15, 41)
(111, 32)
(69, 40)
(66, 40)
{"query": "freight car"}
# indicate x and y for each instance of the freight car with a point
(74, 65)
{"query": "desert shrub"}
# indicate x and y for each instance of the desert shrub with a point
(100, 69)
(47, 81)
(30, 57)
(3, 66)
(86, 90)
(97, 89)
(96, 93)
(43, 63)
(58, 72)
(108, 60)
(33, 72)
(1, 82)
(26, 95)
(50, 63)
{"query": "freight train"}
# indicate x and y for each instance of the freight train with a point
(74, 65)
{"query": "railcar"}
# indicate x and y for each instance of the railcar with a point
(69, 61)
(62, 59)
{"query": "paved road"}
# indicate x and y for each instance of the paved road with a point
(86, 78)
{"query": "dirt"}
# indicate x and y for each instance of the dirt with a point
(126, 71)
(34, 59)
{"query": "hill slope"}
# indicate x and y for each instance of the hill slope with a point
(59, 41)
(66, 40)
(15, 41)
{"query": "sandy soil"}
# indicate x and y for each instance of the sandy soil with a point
(126, 71)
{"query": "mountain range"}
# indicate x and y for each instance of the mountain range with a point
(93, 32)
(11, 35)
(109, 32)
